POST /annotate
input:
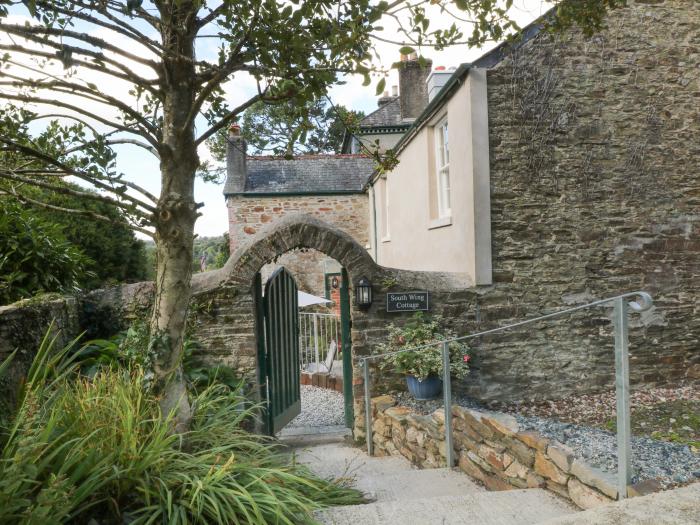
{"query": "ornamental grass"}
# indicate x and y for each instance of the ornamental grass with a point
(78, 449)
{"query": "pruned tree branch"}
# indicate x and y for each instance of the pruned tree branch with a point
(32, 99)
(96, 180)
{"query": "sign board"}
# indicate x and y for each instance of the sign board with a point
(407, 302)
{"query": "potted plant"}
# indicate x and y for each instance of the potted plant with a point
(423, 368)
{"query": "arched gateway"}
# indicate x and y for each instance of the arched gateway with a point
(227, 307)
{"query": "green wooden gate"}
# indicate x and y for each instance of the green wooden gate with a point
(281, 359)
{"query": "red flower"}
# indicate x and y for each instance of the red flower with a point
(466, 358)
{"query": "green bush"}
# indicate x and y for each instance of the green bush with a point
(418, 332)
(81, 448)
(35, 256)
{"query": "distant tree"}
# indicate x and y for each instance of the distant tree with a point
(289, 129)
(214, 251)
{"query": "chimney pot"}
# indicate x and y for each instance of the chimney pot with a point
(412, 88)
(394, 91)
(236, 168)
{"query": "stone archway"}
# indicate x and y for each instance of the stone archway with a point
(223, 300)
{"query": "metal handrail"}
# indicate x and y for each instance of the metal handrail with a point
(620, 322)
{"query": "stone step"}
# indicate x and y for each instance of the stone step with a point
(414, 484)
(680, 506)
(513, 507)
(334, 460)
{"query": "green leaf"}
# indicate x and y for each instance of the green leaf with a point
(380, 86)
(406, 50)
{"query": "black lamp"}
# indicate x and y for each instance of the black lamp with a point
(363, 293)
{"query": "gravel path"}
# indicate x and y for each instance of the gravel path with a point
(669, 463)
(319, 407)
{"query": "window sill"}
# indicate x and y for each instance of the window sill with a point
(440, 222)
(386, 239)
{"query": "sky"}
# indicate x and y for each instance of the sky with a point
(142, 168)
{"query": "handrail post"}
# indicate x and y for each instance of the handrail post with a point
(622, 393)
(447, 395)
(318, 357)
(368, 409)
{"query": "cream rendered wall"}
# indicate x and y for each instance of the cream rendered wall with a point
(418, 239)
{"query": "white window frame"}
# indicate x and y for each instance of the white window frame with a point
(442, 169)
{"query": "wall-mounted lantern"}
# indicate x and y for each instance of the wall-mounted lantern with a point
(363, 293)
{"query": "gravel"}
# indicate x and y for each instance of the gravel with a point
(319, 407)
(669, 463)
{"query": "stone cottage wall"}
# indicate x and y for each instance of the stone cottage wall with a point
(248, 215)
(595, 190)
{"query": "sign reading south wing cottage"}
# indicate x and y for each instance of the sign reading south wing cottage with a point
(407, 302)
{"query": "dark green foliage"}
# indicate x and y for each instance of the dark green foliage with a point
(36, 257)
(117, 255)
(97, 448)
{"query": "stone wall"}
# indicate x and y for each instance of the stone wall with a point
(595, 190)
(490, 448)
(24, 324)
(348, 212)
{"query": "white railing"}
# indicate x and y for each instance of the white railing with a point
(319, 341)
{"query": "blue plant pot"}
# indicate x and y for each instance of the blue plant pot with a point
(429, 388)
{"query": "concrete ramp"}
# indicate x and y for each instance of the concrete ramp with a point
(404, 495)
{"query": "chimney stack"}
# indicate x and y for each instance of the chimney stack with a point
(236, 170)
(412, 88)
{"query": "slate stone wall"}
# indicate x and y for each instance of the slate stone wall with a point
(595, 190)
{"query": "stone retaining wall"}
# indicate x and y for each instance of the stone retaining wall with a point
(490, 448)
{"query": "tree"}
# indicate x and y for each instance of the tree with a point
(293, 50)
(287, 130)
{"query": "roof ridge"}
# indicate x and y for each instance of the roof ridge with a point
(310, 156)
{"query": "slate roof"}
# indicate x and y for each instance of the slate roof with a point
(386, 115)
(307, 174)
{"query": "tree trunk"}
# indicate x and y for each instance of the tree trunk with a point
(176, 211)
(174, 239)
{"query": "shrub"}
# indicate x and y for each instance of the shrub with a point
(35, 256)
(82, 448)
(421, 331)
